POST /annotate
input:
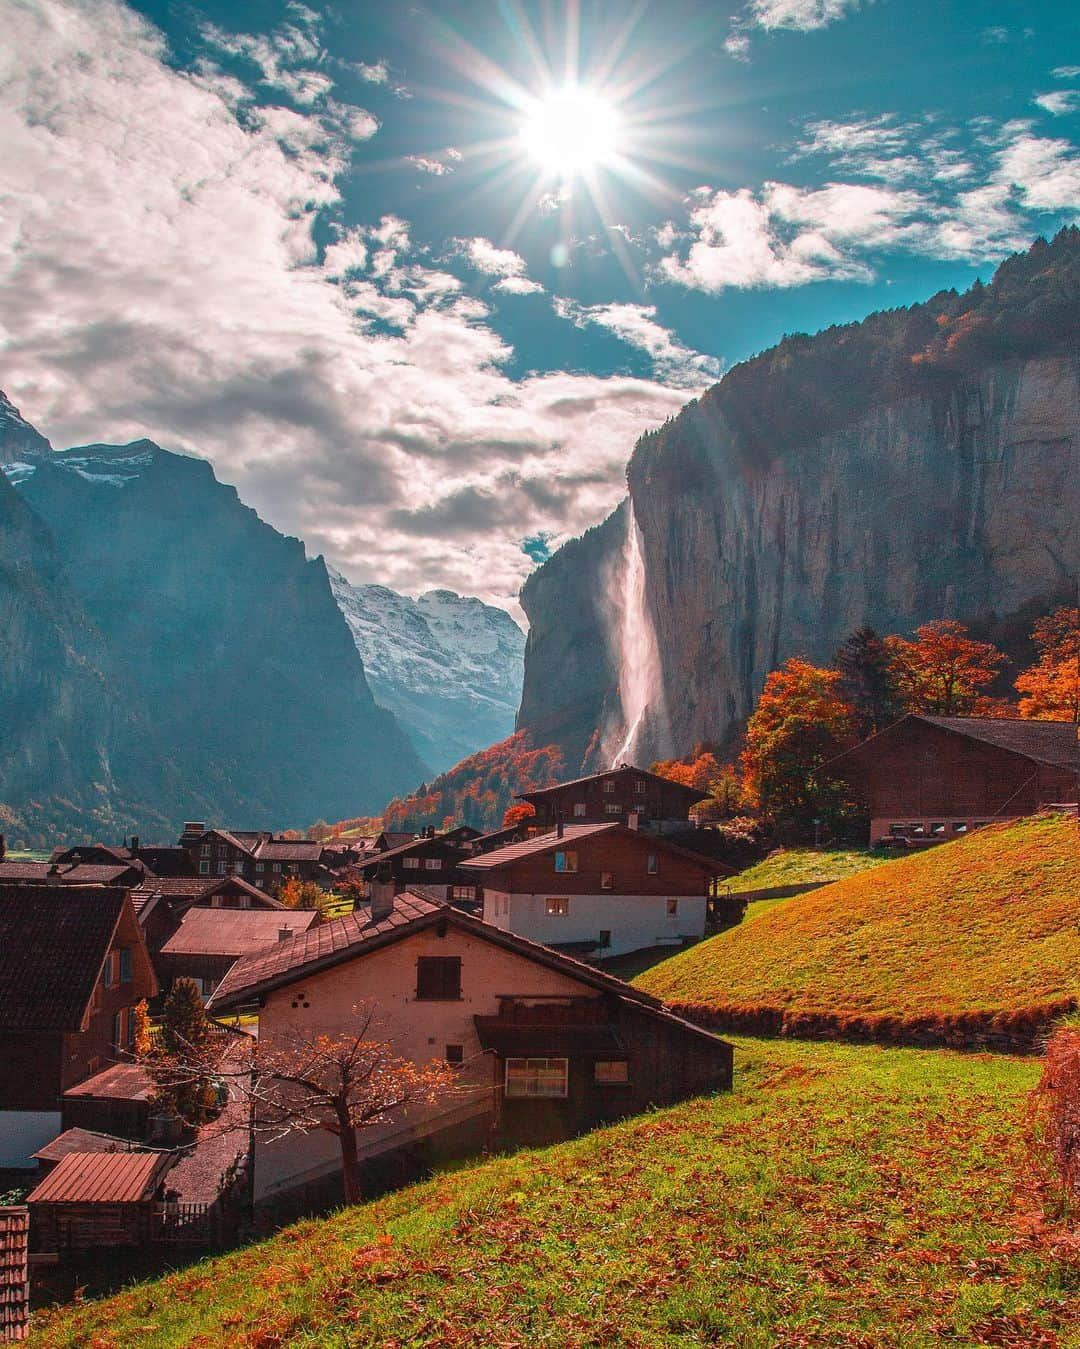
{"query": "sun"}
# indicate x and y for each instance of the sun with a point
(571, 131)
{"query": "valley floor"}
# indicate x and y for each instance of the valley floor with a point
(841, 1195)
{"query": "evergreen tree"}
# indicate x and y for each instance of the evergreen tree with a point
(868, 682)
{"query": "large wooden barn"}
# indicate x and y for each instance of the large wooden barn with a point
(932, 778)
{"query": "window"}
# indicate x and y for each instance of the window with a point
(639, 786)
(607, 880)
(937, 828)
(433, 864)
(897, 830)
(204, 851)
(455, 1053)
(463, 892)
(672, 907)
(652, 865)
(204, 868)
(558, 906)
(917, 830)
(611, 1072)
(612, 808)
(125, 965)
(979, 824)
(276, 866)
(438, 978)
(245, 901)
(579, 809)
(566, 861)
(536, 1077)
(959, 827)
(108, 972)
(411, 863)
(119, 1029)
(605, 937)
(609, 785)
(221, 868)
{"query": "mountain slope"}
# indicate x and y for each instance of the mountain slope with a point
(839, 1196)
(922, 464)
(448, 666)
(980, 928)
(231, 685)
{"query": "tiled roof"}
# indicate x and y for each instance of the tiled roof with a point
(118, 1082)
(24, 871)
(320, 944)
(14, 1283)
(551, 841)
(83, 873)
(609, 772)
(53, 940)
(285, 850)
(402, 850)
(1049, 742)
(179, 888)
(102, 1178)
(82, 1140)
(395, 838)
(234, 932)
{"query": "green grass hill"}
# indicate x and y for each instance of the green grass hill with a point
(974, 939)
(842, 1195)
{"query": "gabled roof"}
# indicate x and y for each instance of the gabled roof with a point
(578, 833)
(82, 1140)
(1048, 742)
(102, 1178)
(394, 838)
(690, 792)
(117, 1082)
(288, 850)
(180, 888)
(63, 873)
(355, 935)
(234, 932)
(403, 849)
(53, 941)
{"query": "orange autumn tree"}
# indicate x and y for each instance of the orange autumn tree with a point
(703, 771)
(515, 814)
(800, 723)
(1051, 687)
(944, 672)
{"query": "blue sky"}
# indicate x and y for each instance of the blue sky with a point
(311, 243)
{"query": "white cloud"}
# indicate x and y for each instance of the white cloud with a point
(378, 72)
(503, 263)
(803, 15)
(636, 325)
(737, 46)
(1059, 101)
(1046, 173)
(425, 165)
(1065, 72)
(160, 275)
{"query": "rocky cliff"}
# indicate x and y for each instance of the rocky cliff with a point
(448, 666)
(167, 654)
(924, 464)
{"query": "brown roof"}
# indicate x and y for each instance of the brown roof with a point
(102, 1178)
(374, 859)
(199, 887)
(82, 1140)
(234, 932)
(53, 940)
(577, 833)
(82, 873)
(24, 871)
(14, 1284)
(118, 1082)
(1049, 742)
(395, 837)
(611, 772)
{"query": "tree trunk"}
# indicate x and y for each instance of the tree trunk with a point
(350, 1164)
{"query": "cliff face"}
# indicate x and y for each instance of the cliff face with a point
(167, 654)
(959, 502)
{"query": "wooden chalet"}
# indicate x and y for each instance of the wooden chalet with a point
(927, 779)
(124, 875)
(427, 859)
(162, 902)
(260, 857)
(73, 964)
(597, 888)
(546, 1045)
(616, 796)
(98, 1199)
(156, 860)
(209, 941)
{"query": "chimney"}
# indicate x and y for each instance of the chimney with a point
(134, 844)
(382, 895)
(284, 933)
(559, 824)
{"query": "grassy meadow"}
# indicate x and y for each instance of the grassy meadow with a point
(804, 866)
(987, 924)
(841, 1195)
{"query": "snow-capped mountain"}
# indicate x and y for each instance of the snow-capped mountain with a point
(448, 666)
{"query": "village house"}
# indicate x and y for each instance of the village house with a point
(156, 860)
(603, 889)
(428, 859)
(209, 941)
(121, 874)
(73, 964)
(546, 1046)
(620, 795)
(927, 779)
(162, 902)
(260, 857)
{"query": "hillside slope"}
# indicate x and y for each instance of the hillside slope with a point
(204, 668)
(982, 928)
(804, 1209)
(918, 465)
(448, 666)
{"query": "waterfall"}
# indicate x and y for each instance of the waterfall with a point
(640, 682)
